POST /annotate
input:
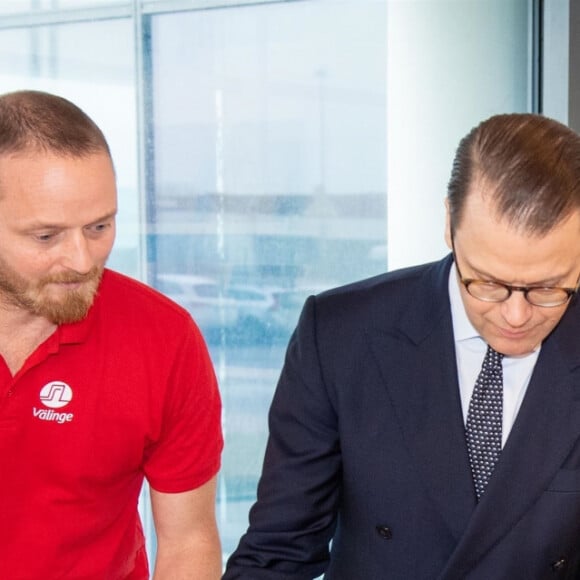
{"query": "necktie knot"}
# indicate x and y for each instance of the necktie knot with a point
(493, 359)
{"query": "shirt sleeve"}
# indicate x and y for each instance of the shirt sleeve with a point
(188, 452)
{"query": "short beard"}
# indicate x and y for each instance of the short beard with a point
(72, 308)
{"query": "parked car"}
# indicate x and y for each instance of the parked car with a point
(255, 308)
(204, 299)
(289, 303)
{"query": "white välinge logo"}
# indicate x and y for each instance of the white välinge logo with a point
(56, 394)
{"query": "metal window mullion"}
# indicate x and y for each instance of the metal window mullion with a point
(66, 16)
(120, 10)
(536, 54)
(161, 6)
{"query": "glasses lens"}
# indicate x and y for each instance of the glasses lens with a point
(488, 291)
(547, 296)
(492, 292)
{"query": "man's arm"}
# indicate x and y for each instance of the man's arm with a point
(188, 545)
(295, 515)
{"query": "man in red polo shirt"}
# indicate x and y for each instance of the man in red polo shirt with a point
(103, 381)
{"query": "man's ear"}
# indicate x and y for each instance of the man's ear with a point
(447, 225)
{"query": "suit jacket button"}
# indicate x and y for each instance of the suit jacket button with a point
(385, 532)
(559, 564)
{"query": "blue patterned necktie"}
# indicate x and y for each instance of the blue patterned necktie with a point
(484, 420)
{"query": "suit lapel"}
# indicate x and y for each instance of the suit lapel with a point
(418, 366)
(546, 429)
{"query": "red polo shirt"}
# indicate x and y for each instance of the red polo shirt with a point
(127, 393)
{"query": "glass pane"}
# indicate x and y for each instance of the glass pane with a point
(269, 164)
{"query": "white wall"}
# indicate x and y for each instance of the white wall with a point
(477, 50)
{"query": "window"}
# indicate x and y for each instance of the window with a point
(268, 150)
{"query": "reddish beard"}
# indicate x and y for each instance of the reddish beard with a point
(72, 305)
(76, 302)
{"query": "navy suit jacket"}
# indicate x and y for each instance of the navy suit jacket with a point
(367, 449)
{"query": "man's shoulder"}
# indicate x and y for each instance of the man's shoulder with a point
(400, 281)
(419, 292)
(121, 293)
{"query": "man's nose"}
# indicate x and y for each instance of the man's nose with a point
(516, 310)
(76, 254)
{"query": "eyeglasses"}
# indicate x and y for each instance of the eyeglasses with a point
(491, 291)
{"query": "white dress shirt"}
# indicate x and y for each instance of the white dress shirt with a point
(470, 349)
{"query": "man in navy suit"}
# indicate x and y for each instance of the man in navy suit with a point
(367, 474)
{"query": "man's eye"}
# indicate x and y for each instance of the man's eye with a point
(98, 228)
(44, 237)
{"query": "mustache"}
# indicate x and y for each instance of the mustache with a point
(72, 277)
